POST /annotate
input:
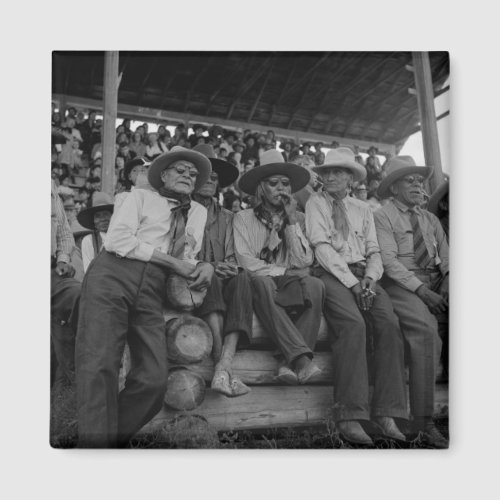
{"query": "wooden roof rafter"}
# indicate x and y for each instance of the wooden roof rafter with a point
(140, 92)
(301, 101)
(263, 86)
(196, 80)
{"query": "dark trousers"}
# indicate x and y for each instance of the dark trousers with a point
(121, 301)
(348, 342)
(423, 346)
(64, 302)
(293, 339)
(232, 298)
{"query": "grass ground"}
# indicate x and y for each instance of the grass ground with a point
(195, 432)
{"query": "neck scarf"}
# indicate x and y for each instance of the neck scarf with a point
(276, 222)
(177, 231)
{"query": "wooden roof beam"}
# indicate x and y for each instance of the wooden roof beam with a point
(140, 93)
(196, 80)
(288, 80)
(302, 98)
(264, 84)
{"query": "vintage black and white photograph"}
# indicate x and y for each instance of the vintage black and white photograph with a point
(250, 250)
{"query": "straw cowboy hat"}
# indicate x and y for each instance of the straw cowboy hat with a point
(273, 163)
(226, 171)
(342, 157)
(160, 163)
(398, 167)
(437, 196)
(100, 201)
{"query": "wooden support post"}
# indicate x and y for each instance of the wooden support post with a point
(109, 122)
(425, 97)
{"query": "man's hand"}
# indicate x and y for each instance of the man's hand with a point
(183, 268)
(444, 289)
(290, 206)
(65, 269)
(435, 302)
(368, 295)
(225, 269)
(202, 276)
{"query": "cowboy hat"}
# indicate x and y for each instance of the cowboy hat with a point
(273, 163)
(342, 157)
(177, 153)
(100, 201)
(441, 191)
(226, 171)
(398, 167)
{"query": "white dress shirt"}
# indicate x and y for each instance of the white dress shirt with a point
(142, 222)
(88, 254)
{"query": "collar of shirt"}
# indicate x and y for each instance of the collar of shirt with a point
(405, 208)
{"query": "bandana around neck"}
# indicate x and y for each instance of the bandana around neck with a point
(276, 222)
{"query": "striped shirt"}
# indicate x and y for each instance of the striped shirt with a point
(250, 236)
(62, 241)
(395, 236)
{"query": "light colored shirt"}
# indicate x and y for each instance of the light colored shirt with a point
(142, 222)
(62, 241)
(332, 252)
(88, 253)
(250, 236)
(395, 236)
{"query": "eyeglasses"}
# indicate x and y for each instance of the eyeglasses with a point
(182, 169)
(410, 179)
(273, 182)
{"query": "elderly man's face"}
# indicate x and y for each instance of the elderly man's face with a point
(277, 189)
(209, 189)
(101, 220)
(409, 190)
(336, 180)
(180, 177)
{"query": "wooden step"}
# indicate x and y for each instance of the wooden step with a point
(270, 407)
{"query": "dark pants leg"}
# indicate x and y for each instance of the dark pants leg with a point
(348, 342)
(389, 394)
(64, 302)
(239, 305)
(419, 329)
(114, 295)
(276, 321)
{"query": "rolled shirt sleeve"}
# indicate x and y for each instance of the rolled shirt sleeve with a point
(300, 253)
(374, 266)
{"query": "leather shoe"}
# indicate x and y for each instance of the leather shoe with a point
(433, 437)
(389, 428)
(287, 375)
(351, 431)
(309, 374)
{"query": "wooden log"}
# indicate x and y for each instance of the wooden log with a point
(270, 407)
(260, 367)
(180, 296)
(189, 339)
(185, 389)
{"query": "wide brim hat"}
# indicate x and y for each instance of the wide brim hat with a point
(342, 157)
(273, 163)
(226, 171)
(135, 162)
(441, 191)
(163, 161)
(100, 201)
(398, 167)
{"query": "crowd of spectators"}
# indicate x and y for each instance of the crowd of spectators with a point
(77, 154)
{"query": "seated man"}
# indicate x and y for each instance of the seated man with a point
(342, 232)
(270, 243)
(227, 308)
(153, 234)
(64, 291)
(415, 256)
(96, 218)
